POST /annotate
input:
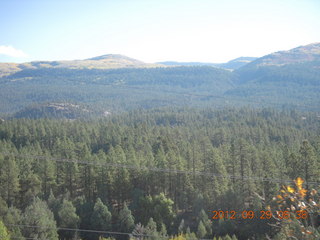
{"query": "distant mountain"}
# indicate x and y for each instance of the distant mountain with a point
(175, 63)
(286, 79)
(109, 61)
(302, 54)
(293, 76)
(237, 63)
(231, 65)
(300, 65)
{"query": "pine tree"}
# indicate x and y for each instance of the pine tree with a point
(4, 235)
(87, 173)
(203, 217)
(47, 174)
(163, 231)
(234, 237)
(67, 219)
(38, 215)
(3, 208)
(269, 171)
(101, 217)
(126, 220)
(151, 229)
(218, 183)
(9, 178)
(122, 182)
(161, 162)
(201, 232)
(138, 232)
(181, 228)
(104, 178)
(310, 166)
(13, 218)
(53, 204)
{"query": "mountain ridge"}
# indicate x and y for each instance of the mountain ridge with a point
(301, 54)
(291, 79)
(107, 61)
(232, 64)
(113, 61)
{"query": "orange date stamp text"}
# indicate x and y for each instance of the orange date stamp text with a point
(230, 214)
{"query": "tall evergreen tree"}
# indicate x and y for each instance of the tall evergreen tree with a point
(203, 217)
(68, 218)
(13, 219)
(201, 231)
(151, 229)
(101, 217)
(126, 220)
(310, 166)
(9, 178)
(4, 235)
(38, 215)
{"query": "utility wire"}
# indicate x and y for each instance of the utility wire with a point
(155, 169)
(92, 231)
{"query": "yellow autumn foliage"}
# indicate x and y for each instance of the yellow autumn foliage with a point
(179, 237)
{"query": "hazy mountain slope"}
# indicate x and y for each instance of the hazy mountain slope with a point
(302, 54)
(109, 61)
(284, 79)
(114, 88)
(301, 63)
(237, 63)
(232, 65)
(288, 76)
(176, 63)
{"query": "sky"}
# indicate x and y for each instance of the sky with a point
(154, 30)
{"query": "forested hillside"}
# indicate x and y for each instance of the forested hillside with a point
(282, 80)
(116, 89)
(157, 173)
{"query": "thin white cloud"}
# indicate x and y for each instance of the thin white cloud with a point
(12, 52)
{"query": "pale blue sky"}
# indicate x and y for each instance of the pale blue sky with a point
(151, 31)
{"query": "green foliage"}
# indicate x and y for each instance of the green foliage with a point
(38, 214)
(310, 169)
(4, 232)
(3, 208)
(114, 155)
(109, 238)
(126, 220)
(227, 237)
(181, 228)
(101, 217)
(201, 232)
(67, 218)
(204, 219)
(13, 219)
(107, 89)
(9, 179)
(151, 229)
(138, 232)
(83, 93)
(159, 207)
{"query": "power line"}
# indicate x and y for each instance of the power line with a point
(155, 169)
(91, 231)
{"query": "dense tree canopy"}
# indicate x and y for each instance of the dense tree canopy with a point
(159, 171)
